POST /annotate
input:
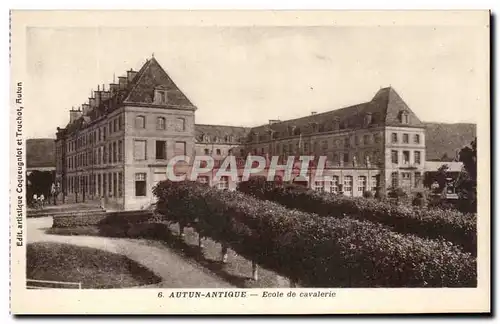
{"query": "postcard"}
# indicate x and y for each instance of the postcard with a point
(250, 162)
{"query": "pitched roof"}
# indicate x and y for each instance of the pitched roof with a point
(151, 76)
(139, 90)
(385, 109)
(40, 153)
(220, 132)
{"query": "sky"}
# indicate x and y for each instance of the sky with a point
(244, 76)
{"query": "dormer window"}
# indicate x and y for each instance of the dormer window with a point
(205, 138)
(404, 117)
(336, 124)
(368, 119)
(160, 96)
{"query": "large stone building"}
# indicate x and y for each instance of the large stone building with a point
(117, 146)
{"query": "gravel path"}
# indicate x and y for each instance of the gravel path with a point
(175, 271)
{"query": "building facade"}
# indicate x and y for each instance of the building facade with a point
(116, 147)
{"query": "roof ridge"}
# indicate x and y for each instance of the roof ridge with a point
(139, 76)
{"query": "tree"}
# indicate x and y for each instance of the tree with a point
(468, 156)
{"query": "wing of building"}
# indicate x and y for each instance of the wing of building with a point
(116, 147)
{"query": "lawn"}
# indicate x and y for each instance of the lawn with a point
(92, 267)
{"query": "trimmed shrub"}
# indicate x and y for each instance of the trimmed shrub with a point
(450, 225)
(368, 194)
(318, 251)
(112, 218)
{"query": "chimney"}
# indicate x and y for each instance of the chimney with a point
(92, 103)
(274, 121)
(85, 108)
(97, 95)
(113, 88)
(131, 75)
(313, 113)
(105, 95)
(74, 115)
(122, 81)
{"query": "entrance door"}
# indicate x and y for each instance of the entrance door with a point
(406, 180)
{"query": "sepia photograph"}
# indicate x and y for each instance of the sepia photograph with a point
(204, 157)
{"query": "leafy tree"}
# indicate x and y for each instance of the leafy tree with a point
(468, 182)
(468, 156)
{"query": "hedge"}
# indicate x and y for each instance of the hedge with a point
(317, 251)
(450, 225)
(110, 218)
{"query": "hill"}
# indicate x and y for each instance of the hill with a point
(40, 152)
(447, 139)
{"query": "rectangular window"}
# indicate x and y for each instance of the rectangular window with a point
(202, 179)
(361, 184)
(139, 150)
(180, 148)
(417, 157)
(394, 157)
(418, 179)
(140, 122)
(120, 184)
(104, 185)
(394, 180)
(223, 183)
(207, 151)
(114, 153)
(180, 124)
(110, 184)
(366, 139)
(100, 135)
(120, 122)
(346, 157)
(120, 151)
(394, 137)
(161, 152)
(334, 185)
(406, 138)
(348, 184)
(416, 139)
(115, 181)
(110, 153)
(116, 125)
(374, 183)
(104, 133)
(140, 184)
(318, 186)
(406, 157)
(160, 123)
(99, 155)
(324, 145)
